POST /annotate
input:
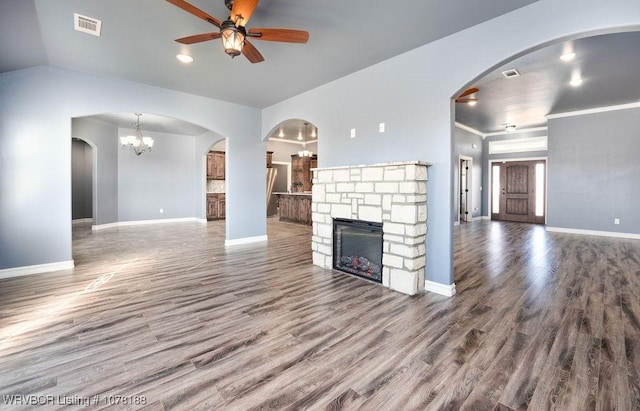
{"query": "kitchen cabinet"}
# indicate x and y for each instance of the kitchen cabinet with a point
(301, 175)
(269, 159)
(215, 165)
(295, 208)
(216, 203)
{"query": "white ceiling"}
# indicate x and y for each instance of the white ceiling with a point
(137, 44)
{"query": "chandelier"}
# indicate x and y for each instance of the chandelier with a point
(137, 143)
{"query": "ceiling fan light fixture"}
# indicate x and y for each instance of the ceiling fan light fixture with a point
(232, 38)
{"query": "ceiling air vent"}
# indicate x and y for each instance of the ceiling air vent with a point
(87, 24)
(511, 73)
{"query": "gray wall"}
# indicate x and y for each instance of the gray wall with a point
(594, 172)
(104, 140)
(486, 157)
(81, 180)
(463, 145)
(164, 178)
(412, 94)
(38, 104)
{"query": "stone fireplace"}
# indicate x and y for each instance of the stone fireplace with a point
(391, 194)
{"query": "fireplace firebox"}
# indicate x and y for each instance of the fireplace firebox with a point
(357, 248)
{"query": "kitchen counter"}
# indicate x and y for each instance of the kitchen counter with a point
(295, 207)
(294, 194)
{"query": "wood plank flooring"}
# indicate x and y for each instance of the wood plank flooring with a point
(166, 315)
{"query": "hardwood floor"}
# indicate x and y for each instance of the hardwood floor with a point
(166, 315)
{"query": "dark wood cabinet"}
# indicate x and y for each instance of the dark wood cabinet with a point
(301, 175)
(295, 208)
(216, 203)
(215, 165)
(269, 159)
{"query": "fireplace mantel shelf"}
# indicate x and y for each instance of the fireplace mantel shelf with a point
(399, 163)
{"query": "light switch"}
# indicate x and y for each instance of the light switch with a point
(381, 127)
(353, 133)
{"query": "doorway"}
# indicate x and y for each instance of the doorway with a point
(518, 191)
(465, 165)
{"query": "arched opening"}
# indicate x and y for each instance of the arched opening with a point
(292, 153)
(541, 110)
(82, 186)
(168, 183)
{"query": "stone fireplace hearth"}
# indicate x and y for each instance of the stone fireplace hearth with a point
(394, 194)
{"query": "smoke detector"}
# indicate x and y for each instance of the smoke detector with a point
(511, 73)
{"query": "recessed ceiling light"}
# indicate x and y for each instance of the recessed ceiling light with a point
(281, 133)
(575, 82)
(576, 79)
(472, 102)
(299, 135)
(510, 128)
(184, 58)
(568, 56)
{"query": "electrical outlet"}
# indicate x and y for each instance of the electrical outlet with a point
(616, 221)
(353, 133)
(161, 210)
(381, 127)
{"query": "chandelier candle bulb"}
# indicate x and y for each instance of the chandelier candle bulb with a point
(138, 144)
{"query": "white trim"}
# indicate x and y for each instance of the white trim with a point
(144, 222)
(438, 288)
(284, 140)
(36, 269)
(594, 232)
(469, 129)
(518, 145)
(245, 240)
(516, 131)
(507, 160)
(594, 110)
(82, 221)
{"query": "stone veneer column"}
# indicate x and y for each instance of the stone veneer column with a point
(394, 194)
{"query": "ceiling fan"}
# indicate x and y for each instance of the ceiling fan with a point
(233, 33)
(463, 98)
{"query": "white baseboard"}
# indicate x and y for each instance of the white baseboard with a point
(144, 222)
(594, 232)
(36, 269)
(82, 221)
(442, 289)
(246, 240)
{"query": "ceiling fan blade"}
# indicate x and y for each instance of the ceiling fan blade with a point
(251, 53)
(468, 92)
(283, 35)
(466, 100)
(189, 8)
(199, 38)
(242, 10)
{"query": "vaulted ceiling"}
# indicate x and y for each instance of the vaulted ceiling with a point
(137, 44)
